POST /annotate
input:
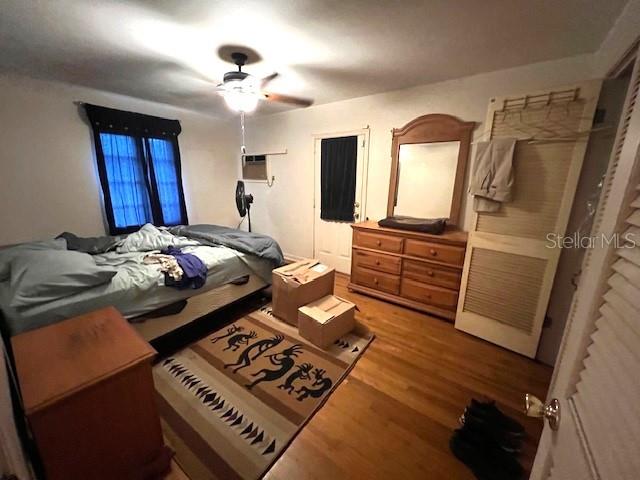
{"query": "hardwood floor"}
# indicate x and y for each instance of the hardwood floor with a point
(393, 416)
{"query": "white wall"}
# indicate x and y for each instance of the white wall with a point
(48, 175)
(285, 211)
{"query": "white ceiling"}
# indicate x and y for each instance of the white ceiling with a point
(328, 50)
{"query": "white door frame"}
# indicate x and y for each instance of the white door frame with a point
(365, 170)
(587, 299)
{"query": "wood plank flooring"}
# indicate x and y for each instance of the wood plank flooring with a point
(393, 416)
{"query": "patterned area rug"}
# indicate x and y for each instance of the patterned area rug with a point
(232, 402)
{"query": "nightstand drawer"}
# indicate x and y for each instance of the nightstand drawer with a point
(428, 273)
(432, 295)
(387, 243)
(377, 280)
(377, 261)
(435, 251)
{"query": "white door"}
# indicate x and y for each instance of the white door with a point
(332, 239)
(596, 376)
(511, 262)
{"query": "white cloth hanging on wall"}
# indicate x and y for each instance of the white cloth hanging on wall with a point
(492, 174)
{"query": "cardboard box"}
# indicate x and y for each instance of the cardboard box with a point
(324, 321)
(297, 284)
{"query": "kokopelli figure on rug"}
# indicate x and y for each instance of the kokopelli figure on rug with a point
(230, 331)
(321, 382)
(234, 342)
(253, 351)
(283, 360)
(301, 373)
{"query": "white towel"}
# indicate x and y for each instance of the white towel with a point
(492, 174)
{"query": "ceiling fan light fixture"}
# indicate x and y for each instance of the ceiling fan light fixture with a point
(240, 101)
(238, 97)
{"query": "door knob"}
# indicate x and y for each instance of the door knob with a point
(533, 407)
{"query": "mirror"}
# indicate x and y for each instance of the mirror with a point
(428, 168)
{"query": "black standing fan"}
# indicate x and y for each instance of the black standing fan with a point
(243, 201)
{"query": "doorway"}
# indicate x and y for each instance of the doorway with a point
(342, 178)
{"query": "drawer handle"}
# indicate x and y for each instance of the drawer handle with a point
(433, 252)
(379, 242)
(430, 273)
(375, 280)
(377, 262)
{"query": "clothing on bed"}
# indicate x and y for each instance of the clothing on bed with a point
(194, 271)
(168, 264)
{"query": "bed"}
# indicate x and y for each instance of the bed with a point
(238, 263)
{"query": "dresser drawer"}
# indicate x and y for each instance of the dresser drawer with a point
(435, 251)
(378, 280)
(428, 273)
(432, 295)
(387, 243)
(377, 261)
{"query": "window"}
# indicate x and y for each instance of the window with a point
(139, 165)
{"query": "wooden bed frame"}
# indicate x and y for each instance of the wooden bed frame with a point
(197, 307)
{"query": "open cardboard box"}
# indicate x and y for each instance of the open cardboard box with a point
(297, 284)
(324, 321)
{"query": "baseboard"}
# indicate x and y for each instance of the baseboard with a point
(290, 258)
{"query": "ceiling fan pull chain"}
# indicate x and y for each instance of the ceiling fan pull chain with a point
(243, 148)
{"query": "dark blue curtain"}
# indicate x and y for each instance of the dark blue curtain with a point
(169, 188)
(130, 201)
(338, 165)
(139, 165)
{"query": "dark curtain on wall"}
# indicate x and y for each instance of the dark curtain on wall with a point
(139, 167)
(338, 165)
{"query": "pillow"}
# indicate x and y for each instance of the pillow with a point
(151, 238)
(40, 276)
(8, 254)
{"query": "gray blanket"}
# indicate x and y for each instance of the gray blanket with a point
(261, 246)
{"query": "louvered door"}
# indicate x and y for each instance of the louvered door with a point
(596, 375)
(510, 263)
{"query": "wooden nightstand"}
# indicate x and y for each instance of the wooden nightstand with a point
(88, 395)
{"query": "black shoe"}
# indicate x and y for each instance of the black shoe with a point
(485, 459)
(508, 443)
(488, 413)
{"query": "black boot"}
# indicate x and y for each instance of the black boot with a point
(509, 443)
(483, 456)
(488, 413)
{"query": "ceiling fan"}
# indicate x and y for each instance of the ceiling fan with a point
(242, 91)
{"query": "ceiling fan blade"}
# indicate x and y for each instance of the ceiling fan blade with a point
(278, 97)
(265, 80)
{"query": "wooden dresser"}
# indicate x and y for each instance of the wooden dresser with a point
(88, 395)
(416, 270)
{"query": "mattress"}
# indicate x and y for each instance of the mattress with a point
(136, 289)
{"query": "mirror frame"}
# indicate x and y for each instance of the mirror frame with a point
(433, 128)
